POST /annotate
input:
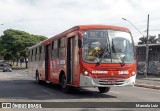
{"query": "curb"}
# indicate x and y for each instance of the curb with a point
(148, 86)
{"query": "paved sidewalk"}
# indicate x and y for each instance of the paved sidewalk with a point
(149, 82)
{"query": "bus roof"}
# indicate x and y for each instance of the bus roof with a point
(84, 27)
(34, 46)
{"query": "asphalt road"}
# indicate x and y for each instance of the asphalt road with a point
(17, 86)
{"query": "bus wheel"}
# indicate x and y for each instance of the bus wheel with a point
(65, 87)
(103, 89)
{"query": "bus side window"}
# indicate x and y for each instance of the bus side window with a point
(55, 49)
(51, 54)
(40, 50)
(49, 50)
(42, 54)
(52, 45)
(62, 47)
(35, 54)
(32, 55)
(29, 55)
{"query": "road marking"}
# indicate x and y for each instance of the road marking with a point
(48, 92)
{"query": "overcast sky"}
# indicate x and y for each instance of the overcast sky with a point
(50, 17)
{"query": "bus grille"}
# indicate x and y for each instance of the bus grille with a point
(111, 82)
(106, 77)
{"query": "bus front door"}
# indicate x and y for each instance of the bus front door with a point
(70, 60)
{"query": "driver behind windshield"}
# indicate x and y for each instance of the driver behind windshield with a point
(95, 52)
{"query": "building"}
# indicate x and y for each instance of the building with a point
(153, 58)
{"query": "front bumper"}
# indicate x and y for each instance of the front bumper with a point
(87, 81)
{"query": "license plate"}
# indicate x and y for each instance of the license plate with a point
(111, 82)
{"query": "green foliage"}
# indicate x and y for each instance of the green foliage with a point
(151, 40)
(14, 43)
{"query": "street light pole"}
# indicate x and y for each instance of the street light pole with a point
(147, 48)
(133, 26)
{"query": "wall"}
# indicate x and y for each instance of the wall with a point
(153, 67)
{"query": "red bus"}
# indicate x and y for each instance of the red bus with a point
(86, 56)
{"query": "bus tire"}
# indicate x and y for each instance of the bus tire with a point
(64, 86)
(103, 89)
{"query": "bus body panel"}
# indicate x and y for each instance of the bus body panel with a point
(56, 67)
(41, 70)
(107, 75)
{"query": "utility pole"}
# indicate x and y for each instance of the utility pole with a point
(147, 48)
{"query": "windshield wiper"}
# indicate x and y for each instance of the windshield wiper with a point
(122, 62)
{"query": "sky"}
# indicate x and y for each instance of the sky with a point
(50, 17)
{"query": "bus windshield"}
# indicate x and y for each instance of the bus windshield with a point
(107, 46)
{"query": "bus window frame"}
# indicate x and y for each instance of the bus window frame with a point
(62, 45)
(55, 50)
(42, 53)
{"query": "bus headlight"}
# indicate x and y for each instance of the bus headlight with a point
(85, 73)
(133, 73)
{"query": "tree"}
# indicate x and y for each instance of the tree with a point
(15, 44)
(1, 48)
(151, 40)
(143, 40)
